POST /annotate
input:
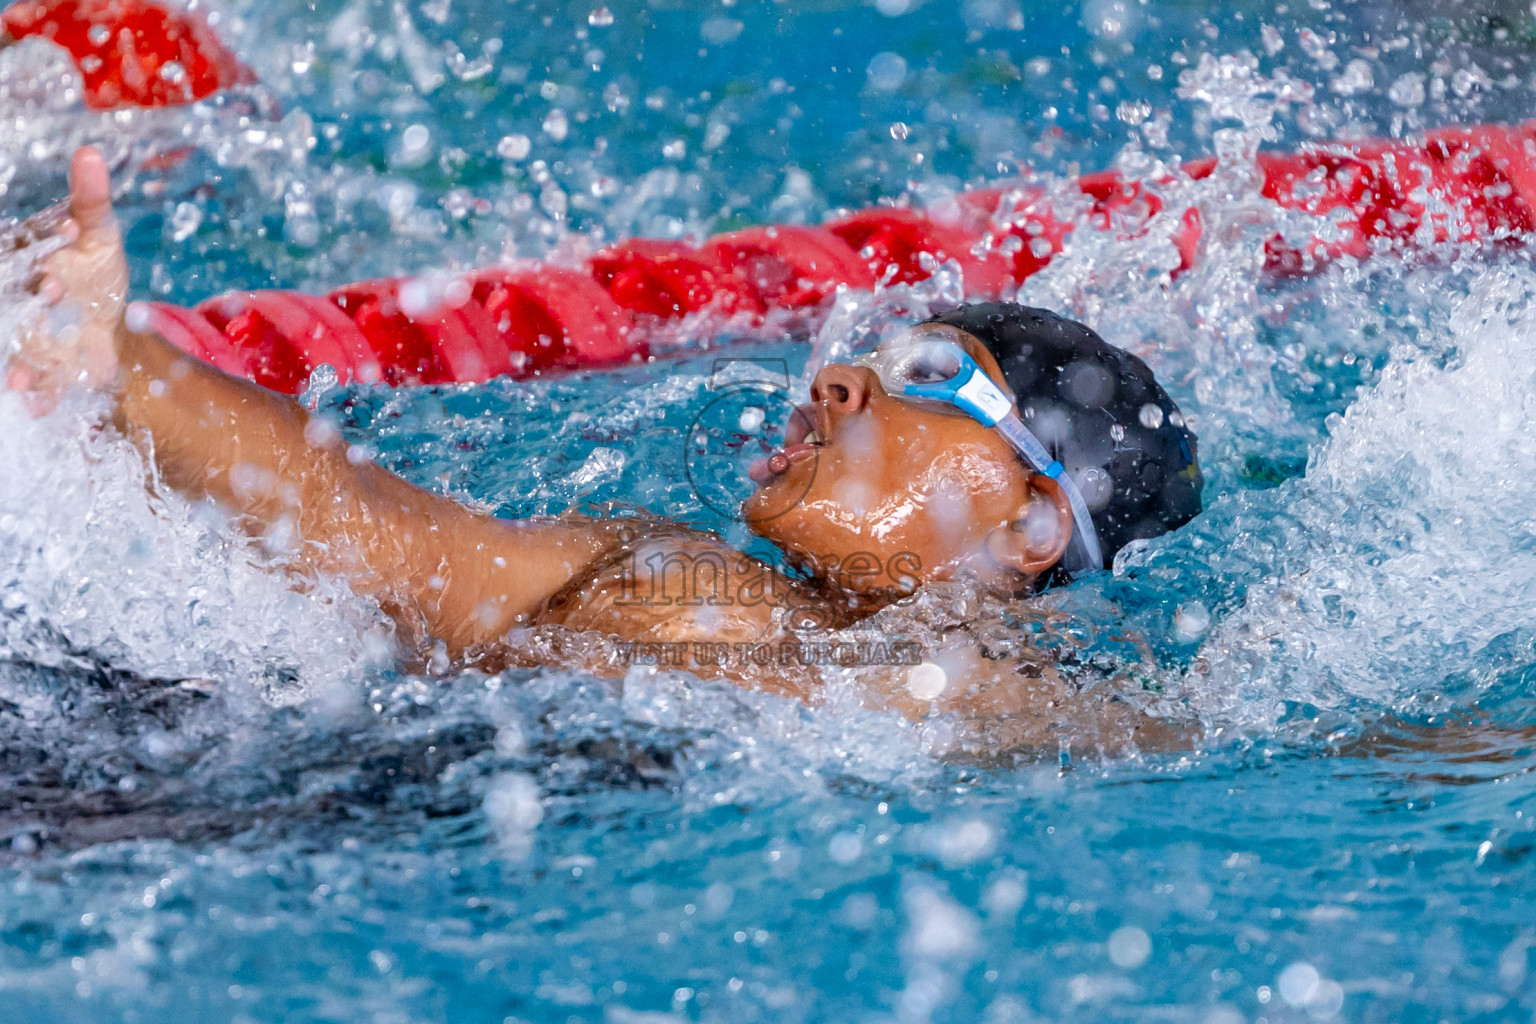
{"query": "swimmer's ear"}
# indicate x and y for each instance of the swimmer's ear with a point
(1038, 536)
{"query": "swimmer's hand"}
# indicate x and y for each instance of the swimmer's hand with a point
(86, 285)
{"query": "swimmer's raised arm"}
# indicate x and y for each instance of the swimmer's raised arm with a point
(436, 567)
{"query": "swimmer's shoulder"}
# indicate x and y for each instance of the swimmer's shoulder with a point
(1024, 685)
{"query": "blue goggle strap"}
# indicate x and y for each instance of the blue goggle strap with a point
(1083, 553)
(970, 391)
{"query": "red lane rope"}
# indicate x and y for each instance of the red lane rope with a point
(1459, 185)
(671, 279)
(132, 52)
(908, 245)
(592, 328)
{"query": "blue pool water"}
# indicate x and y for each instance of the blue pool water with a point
(222, 802)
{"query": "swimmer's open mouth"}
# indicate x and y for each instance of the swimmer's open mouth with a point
(805, 432)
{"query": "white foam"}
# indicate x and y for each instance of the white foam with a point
(1409, 540)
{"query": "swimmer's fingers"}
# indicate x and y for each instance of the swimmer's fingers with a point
(36, 373)
(72, 344)
(21, 380)
(46, 286)
(91, 268)
(96, 278)
(90, 193)
(43, 282)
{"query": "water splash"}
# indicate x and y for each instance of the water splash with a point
(1410, 536)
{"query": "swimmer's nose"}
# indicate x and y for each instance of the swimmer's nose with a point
(843, 388)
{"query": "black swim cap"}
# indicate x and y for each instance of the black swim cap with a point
(1099, 411)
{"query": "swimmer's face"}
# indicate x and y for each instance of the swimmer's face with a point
(893, 493)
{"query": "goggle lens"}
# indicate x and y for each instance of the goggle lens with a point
(930, 363)
(918, 363)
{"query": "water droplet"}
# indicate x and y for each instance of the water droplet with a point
(886, 72)
(99, 35)
(720, 31)
(510, 741)
(600, 17)
(845, 847)
(718, 132)
(1407, 90)
(514, 147)
(1298, 983)
(1357, 77)
(899, 130)
(1107, 18)
(939, 929)
(1133, 112)
(926, 681)
(1095, 486)
(1005, 895)
(965, 844)
(556, 125)
(185, 221)
(322, 379)
(413, 149)
(1150, 416)
(1129, 947)
(1117, 432)
(514, 809)
(1191, 621)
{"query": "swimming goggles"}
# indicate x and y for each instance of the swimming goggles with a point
(943, 373)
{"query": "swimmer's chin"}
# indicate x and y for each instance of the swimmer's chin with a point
(772, 500)
(758, 510)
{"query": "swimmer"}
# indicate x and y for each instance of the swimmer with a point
(938, 458)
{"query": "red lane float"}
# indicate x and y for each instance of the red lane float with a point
(671, 279)
(422, 342)
(192, 332)
(909, 246)
(788, 266)
(577, 322)
(283, 337)
(1458, 185)
(132, 52)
